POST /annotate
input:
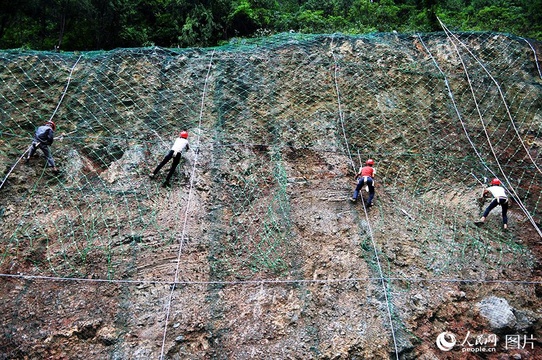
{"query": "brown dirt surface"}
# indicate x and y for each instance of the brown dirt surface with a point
(255, 250)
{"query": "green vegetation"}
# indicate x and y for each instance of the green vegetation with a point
(107, 24)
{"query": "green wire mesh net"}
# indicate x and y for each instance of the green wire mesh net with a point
(278, 128)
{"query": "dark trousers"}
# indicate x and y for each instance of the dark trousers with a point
(169, 156)
(365, 180)
(503, 202)
(45, 149)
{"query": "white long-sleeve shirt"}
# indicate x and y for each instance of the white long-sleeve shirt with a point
(179, 145)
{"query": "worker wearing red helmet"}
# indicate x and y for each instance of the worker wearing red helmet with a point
(499, 198)
(43, 138)
(365, 177)
(180, 145)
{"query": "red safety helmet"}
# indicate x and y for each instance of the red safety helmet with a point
(370, 162)
(496, 182)
(51, 124)
(183, 135)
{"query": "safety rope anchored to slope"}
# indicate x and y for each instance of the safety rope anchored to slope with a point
(130, 227)
(535, 57)
(185, 220)
(50, 119)
(371, 235)
(497, 85)
(505, 177)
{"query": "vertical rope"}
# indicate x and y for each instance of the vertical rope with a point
(379, 265)
(50, 119)
(500, 94)
(341, 114)
(535, 57)
(511, 188)
(185, 221)
(65, 88)
(13, 167)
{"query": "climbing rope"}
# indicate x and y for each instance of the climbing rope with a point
(510, 188)
(124, 219)
(474, 147)
(339, 104)
(382, 280)
(13, 167)
(535, 57)
(500, 93)
(50, 119)
(185, 220)
(65, 88)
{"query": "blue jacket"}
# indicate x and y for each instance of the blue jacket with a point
(44, 134)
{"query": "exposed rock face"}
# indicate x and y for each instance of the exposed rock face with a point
(498, 312)
(255, 250)
(502, 317)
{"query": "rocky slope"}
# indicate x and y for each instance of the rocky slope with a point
(255, 251)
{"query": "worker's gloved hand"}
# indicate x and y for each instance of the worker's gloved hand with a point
(35, 144)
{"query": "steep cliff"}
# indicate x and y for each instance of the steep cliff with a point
(255, 250)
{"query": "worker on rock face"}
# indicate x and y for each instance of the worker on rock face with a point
(365, 177)
(43, 138)
(180, 144)
(499, 198)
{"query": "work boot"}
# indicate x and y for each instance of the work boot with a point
(505, 226)
(353, 199)
(56, 171)
(152, 175)
(480, 222)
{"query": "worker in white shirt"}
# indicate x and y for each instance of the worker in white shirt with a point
(499, 198)
(181, 143)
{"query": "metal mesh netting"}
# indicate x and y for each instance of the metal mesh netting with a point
(255, 250)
